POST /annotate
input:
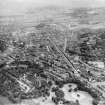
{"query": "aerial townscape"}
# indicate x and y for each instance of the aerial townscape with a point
(53, 56)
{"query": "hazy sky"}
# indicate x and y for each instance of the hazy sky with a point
(19, 5)
(72, 3)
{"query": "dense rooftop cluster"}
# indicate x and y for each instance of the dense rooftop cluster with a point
(32, 66)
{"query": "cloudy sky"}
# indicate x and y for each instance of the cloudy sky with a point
(19, 5)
